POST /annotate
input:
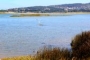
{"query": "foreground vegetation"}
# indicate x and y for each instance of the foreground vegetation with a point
(20, 58)
(46, 54)
(53, 54)
(80, 50)
(81, 46)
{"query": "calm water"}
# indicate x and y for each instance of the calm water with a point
(23, 36)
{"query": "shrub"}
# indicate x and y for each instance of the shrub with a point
(53, 54)
(81, 45)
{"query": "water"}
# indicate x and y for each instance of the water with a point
(25, 35)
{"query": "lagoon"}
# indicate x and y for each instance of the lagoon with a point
(25, 35)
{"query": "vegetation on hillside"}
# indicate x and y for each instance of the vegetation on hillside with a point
(77, 7)
(2, 11)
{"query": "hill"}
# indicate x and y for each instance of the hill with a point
(76, 7)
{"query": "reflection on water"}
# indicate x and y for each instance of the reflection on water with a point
(23, 36)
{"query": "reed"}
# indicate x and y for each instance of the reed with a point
(53, 54)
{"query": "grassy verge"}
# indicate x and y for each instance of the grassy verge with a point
(20, 58)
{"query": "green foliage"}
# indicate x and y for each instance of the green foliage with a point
(3, 10)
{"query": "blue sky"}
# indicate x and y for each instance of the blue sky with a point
(5, 4)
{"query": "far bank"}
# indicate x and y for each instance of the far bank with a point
(29, 14)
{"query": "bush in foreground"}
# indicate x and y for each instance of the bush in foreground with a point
(53, 54)
(81, 45)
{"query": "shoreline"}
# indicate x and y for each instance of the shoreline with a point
(45, 14)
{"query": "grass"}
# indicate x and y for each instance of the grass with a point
(53, 54)
(20, 58)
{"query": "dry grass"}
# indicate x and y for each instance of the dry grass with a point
(46, 54)
(53, 54)
(20, 58)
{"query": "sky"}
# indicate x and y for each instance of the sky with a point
(6, 4)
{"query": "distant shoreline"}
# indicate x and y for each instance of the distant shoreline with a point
(30, 14)
(47, 14)
(34, 12)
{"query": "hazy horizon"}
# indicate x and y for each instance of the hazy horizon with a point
(4, 4)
